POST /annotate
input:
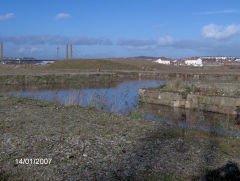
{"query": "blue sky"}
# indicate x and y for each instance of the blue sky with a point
(120, 28)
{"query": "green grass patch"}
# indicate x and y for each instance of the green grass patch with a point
(161, 86)
(41, 104)
(89, 108)
(135, 114)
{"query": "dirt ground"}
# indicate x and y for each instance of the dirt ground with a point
(85, 144)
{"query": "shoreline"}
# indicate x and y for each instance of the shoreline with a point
(87, 144)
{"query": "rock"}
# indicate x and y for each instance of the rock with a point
(85, 155)
(69, 155)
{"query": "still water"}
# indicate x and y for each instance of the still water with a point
(122, 98)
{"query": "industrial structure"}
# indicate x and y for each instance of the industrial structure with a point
(1, 56)
(66, 51)
(71, 52)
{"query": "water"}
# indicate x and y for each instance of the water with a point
(122, 98)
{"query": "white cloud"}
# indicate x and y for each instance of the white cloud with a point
(7, 16)
(29, 50)
(63, 16)
(220, 32)
(166, 40)
(226, 11)
(55, 40)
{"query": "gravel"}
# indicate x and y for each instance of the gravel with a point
(86, 144)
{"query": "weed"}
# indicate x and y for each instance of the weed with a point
(104, 153)
(41, 104)
(64, 161)
(161, 86)
(3, 176)
(136, 114)
(20, 100)
(89, 108)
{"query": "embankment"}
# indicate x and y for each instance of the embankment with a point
(107, 76)
(189, 100)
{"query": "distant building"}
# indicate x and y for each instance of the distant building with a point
(165, 61)
(196, 62)
(178, 62)
(218, 58)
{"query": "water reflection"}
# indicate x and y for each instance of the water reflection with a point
(221, 123)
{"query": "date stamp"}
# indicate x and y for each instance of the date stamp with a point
(33, 161)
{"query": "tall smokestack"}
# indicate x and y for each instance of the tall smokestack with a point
(71, 51)
(66, 51)
(1, 57)
(57, 51)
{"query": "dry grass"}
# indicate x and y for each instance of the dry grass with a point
(89, 64)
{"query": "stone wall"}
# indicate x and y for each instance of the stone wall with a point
(219, 104)
(174, 99)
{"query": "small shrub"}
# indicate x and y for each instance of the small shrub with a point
(175, 85)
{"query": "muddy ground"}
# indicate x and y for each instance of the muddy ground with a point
(85, 144)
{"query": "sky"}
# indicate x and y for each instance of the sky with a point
(120, 28)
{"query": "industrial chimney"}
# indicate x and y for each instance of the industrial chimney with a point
(71, 52)
(66, 51)
(1, 57)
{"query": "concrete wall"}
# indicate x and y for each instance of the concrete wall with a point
(219, 104)
(174, 99)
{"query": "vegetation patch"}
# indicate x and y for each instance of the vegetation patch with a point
(89, 64)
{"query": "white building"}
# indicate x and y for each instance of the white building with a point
(196, 62)
(165, 61)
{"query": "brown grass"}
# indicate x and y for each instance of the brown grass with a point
(88, 64)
